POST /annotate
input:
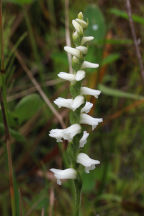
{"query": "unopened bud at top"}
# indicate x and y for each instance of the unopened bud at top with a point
(80, 15)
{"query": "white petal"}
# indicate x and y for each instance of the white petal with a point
(86, 39)
(62, 102)
(72, 51)
(69, 173)
(87, 119)
(87, 64)
(77, 26)
(66, 134)
(75, 35)
(87, 107)
(70, 103)
(66, 76)
(87, 162)
(77, 102)
(89, 91)
(80, 75)
(83, 140)
(82, 23)
(82, 49)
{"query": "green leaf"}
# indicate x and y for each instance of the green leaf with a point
(89, 181)
(27, 107)
(111, 58)
(97, 26)
(124, 15)
(110, 197)
(118, 93)
(20, 2)
(15, 134)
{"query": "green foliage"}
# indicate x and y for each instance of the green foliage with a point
(97, 26)
(111, 58)
(124, 15)
(20, 2)
(28, 107)
(118, 93)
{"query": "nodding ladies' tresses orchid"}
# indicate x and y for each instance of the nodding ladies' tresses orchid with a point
(69, 173)
(79, 107)
(87, 162)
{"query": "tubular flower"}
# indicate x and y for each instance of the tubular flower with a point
(87, 162)
(87, 119)
(83, 140)
(69, 173)
(87, 107)
(80, 75)
(89, 91)
(66, 134)
(70, 103)
(87, 64)
(78, 105)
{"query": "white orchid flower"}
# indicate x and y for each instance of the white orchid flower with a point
(83, 140)
(82, 23)
(72, 104)
(66, 134)
(66, 76)
(87, 64)
(77, 26)
(72, 51)
(89, 91)
(87, 119)
(80, 75)
(87, 107)
(87, 162)
(86, 39)
(69, 173)
(82, 49)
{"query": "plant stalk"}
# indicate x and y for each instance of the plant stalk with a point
(4, 113)
(78, 186)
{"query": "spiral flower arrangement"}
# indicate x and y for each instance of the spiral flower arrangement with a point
(75, 134)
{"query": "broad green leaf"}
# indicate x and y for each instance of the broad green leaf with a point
(123, 14)
(118, 93)
(111, 58)
(27, 107)
(97, 26)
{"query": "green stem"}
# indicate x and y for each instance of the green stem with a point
(3, 104)
(77, 198)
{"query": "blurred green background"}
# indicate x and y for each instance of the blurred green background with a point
(34, 37)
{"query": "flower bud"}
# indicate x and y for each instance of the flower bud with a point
(87, 64)
(86, 39)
